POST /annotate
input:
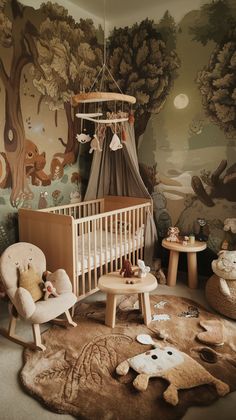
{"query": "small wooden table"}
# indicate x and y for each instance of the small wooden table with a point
(191, 250)
(114, 284)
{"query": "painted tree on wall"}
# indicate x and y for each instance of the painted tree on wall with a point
(143, 61)
(16, 34)
(217, 81)
(69, 56)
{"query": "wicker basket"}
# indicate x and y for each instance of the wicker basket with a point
(226, 305)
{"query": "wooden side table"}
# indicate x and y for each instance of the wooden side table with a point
(114, 284)
(191, 250)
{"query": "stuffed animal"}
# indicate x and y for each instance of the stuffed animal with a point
(229, 243)
(173, 234)
(49, 290)
(171, 364)
(115, 143)
(230, 224)
(59, 279)
(95, 144)
(126, 269)
(142, 269)
(221, 287)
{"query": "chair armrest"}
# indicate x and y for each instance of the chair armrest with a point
(60, 281)
(24, 303)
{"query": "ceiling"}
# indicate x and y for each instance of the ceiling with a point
(115, 8)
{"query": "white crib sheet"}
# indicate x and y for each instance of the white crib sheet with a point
(99, 257)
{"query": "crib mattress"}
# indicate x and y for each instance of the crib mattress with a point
(106, 249)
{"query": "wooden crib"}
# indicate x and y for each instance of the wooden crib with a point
(88, 239)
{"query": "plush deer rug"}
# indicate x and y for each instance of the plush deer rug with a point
(133, 372)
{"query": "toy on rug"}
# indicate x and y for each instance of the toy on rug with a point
(49, 290)
(126, 269)
(192, 312)
(171, 364)
(142, 269)
(214, 334)
(221, 287)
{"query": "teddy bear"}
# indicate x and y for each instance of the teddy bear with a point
(126, 269)
(176, 367)
(221, 287)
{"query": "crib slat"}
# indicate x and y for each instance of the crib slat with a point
(133, 235)
(116, 243)
(141, 235)
(82, 258)
(137, 233)
(106, 245)
(122, 251)
(89, 255)
(111, 242)
(129, 233)
(94, 227)
(100, 248)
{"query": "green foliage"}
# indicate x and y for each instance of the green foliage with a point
(5, 27)
(217, 83)
(69, 56)
(142, 64)
(216, 21)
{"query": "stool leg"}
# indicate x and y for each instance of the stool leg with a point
(172, 268)
(146, 308)
(192, 270)
(110, 318)
(140, 302)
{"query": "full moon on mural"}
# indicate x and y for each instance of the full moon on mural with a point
(181, 101)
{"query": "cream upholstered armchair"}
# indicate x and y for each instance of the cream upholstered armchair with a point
(24, 258)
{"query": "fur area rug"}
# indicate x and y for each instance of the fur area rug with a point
(77, 372)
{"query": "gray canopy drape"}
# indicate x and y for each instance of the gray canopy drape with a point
(117, 173)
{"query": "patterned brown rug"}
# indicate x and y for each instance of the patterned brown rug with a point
(77, 373)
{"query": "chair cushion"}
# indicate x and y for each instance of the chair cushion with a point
(46, 310)
(31, 281)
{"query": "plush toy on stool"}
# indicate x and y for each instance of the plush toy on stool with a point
(221, 287)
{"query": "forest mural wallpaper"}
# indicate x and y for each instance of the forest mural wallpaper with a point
(183, 74)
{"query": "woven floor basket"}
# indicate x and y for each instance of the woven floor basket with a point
(226, 305)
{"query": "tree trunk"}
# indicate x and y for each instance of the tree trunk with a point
(140, 125)
(14, 141)
(72, 147)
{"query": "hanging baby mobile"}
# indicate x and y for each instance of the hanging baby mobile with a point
(107, 110)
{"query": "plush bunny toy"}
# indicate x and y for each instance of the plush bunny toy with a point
(49, 289)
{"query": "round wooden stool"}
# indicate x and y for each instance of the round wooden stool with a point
(114, 284)
(191, 250)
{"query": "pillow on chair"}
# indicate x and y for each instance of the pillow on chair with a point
(31, 281)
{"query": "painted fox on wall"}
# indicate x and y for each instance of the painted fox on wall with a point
(34, 164)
